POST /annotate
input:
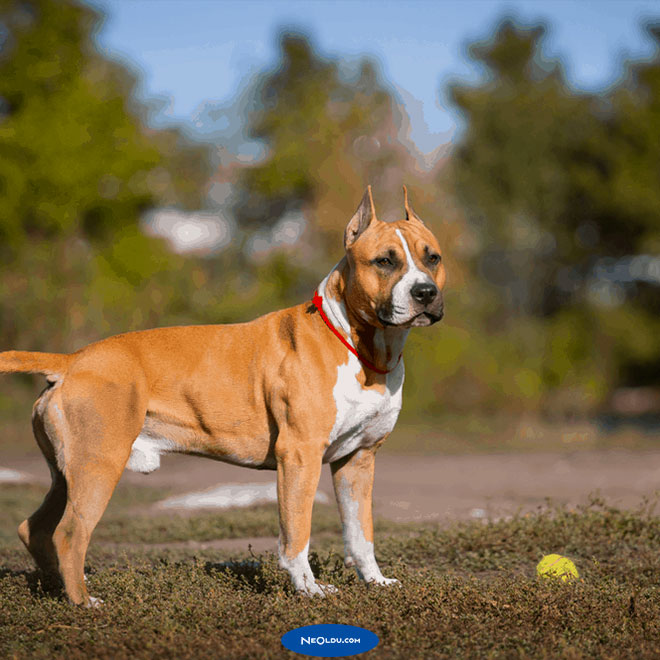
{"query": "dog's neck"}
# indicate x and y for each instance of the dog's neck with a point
(381, 346)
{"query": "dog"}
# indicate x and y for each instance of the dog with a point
(317, 383)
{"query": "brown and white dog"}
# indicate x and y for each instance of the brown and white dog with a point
(312, 384)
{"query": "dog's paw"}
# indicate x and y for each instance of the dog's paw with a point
(383, 581)
(328, 589)
(94, 602)
(318, 589)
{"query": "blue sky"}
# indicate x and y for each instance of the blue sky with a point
(192, 51)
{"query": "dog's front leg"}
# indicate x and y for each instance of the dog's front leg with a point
(298, 473)
(353, 478)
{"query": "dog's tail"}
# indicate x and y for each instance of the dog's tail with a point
(49, 364)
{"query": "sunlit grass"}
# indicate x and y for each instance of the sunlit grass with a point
(467, 590)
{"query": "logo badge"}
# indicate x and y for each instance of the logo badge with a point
(329, 640)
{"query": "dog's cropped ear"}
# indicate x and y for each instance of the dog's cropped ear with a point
(410, 214)
(364, 216)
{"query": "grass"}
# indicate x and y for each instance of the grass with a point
(468, 590)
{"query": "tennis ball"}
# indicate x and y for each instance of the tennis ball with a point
(558, 567)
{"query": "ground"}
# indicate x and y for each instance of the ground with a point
(436, 487)
(462, 532)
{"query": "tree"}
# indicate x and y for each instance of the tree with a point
(76, 154)
(328, 133)
(556, 181)
(78, 167)
(572, 176)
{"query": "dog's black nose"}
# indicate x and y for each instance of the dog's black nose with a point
(424, 292)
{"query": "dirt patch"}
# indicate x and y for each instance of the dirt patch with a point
(255, 544)
(439, 487)
(495, 485)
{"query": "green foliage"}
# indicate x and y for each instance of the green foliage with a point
(76, 156)
(539, 157)
(327, 133)
(550, 180)
(78, 167)
(553, 180)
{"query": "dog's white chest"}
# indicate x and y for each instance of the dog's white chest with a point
(363, 416)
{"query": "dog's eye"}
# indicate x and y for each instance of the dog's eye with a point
(384, 262)
(434, 259)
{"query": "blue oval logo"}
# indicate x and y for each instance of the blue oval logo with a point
(329, 640)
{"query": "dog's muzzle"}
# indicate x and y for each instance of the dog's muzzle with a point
(429, 303)
(427, 308)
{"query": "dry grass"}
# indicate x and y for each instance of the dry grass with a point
(468, 590)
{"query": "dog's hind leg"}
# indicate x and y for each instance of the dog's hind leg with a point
(91, 425)
(103, 417)
(88, 495)
(37, 531)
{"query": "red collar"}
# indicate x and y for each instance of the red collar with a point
(317, 301)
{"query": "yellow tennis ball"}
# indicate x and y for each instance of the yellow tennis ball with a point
(557, 566)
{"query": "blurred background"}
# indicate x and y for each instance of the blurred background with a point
(167, 163)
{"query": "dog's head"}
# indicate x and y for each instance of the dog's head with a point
(396, 273)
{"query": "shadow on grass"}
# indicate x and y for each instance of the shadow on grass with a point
(39, 584)
(254, 575)
(261, 573)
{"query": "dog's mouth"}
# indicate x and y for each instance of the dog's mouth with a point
(421, 320)
(426, 318)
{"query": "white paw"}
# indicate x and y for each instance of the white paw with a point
(94, 602)
(318, 589)
(381, 581)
